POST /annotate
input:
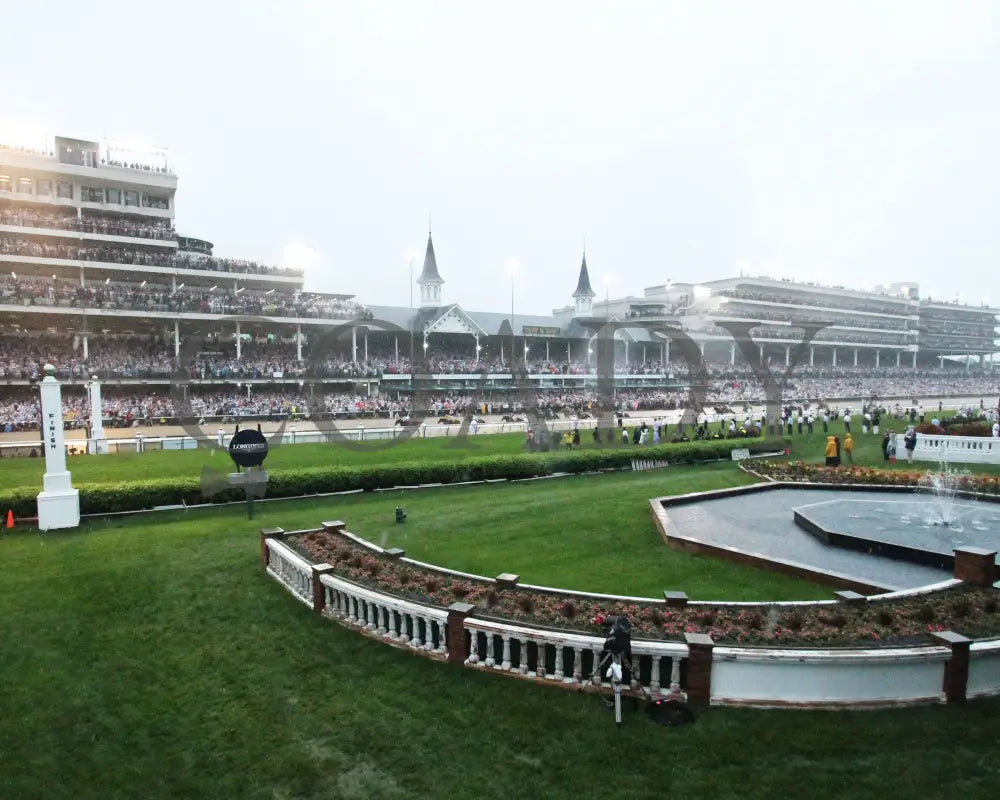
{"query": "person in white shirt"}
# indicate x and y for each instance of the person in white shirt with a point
(996, 430)
(220, 436)
(291, 433)
(474, 426)
(847, 420)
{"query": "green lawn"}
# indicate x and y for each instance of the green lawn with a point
(590, 532)
(17, 472)
(153, 659)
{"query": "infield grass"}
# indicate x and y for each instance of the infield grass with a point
(152, 658)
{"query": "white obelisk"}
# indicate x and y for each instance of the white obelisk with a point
(97, 445)
(58, 502)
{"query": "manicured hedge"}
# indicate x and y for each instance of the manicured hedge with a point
(145, 494)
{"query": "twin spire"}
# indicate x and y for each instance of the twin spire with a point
(583, 284)
(430, 282)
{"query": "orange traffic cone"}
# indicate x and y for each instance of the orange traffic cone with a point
(10, 518)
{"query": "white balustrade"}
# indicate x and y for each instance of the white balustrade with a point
(761, 676)
(290, 570)
(664, 658)
(984, 668)
(956, 449)
(757, 676)
(385, 615)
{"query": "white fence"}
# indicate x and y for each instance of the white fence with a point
(568, 658)
(418, 626)
(957, 449)
(290, 570)
(984, 668)
(753, 676)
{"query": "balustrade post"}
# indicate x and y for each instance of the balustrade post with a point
(428, 634)
(473, 647)
(453, 635)
(318, 589)
(557, 673)
(597, 671)
(654, 675)
(675, 676)
(577, 665)
(265, 534)
(490, 661)
(505, 664)
(540, 659)
(522, 660)
(699, 672)
(956, 668)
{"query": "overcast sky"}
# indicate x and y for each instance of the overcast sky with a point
(854, 143)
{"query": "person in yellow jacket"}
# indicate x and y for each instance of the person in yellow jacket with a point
(831, 451)
(849, 447)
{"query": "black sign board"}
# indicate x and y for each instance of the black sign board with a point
(539, 330)
(248, 448)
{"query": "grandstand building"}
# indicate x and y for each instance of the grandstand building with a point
(96, 280)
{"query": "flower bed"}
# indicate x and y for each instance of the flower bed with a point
(799, 471)
(974, 612)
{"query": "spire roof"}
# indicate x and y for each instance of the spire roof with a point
(583, 284)
(429, 274)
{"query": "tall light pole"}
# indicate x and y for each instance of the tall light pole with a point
(512, 266)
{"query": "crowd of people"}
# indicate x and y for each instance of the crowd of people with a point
(839, 320)
(112, 226)
(130, 406)
(70, 294)
(118, 254)
(22, 356)
(796, 298)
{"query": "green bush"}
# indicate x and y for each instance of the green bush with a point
(138, 495)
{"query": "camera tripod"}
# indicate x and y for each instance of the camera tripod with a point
(665, 710)
(617, 664)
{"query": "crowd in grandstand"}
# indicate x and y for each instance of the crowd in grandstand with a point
(795, 298)
(839, 320)
(112, 226)
(126, 406)
(116, 254)
(131, 296)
